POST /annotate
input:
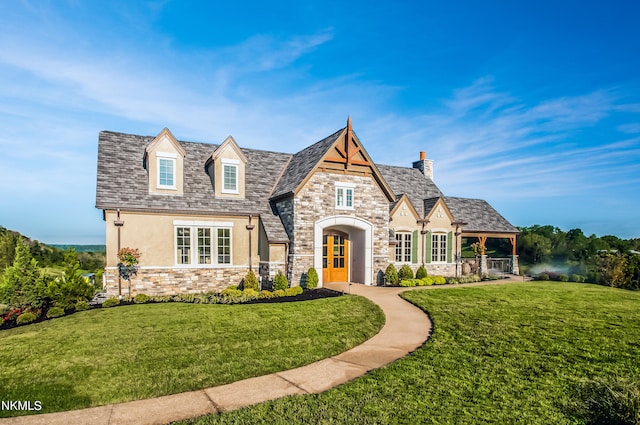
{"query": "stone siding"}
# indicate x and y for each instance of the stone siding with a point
(316, 200)
(167, 281)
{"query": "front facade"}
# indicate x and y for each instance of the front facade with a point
(202, 215)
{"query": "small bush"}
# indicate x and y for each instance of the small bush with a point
(264, 294)
(543, 276)
(250, 281)
(280, 282)
(141, 299)
(576, 278)
(563, 278)
(111, 302)
(391, 275)
(293, 291)
(421, 273)
(439, 280)
(428, 281)
(278, 293)
(407, 283)
(250, 293)
(82, 305)
(231, 291)
(312, 278)
(27, 317)
(55, 312)
(161, 298)
(405, 272)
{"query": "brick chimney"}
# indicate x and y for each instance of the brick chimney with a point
(424, 165)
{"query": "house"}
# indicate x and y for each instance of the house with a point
(202, 215)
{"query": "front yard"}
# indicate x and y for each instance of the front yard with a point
(532, 353)
(134, 352)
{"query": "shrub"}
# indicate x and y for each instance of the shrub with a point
(428, 280)
(421, 272)
(55, 312)
(576, 278)
(278, 293)
(250, 281)
(82, 305)
(161, 298)
(405, 272)
(231, 291)
(111, 302)
(264, 294)
(141, 299)
(280, 282)
(391, 275)
(250, 293)
(27, 317)
(543, 276)
(563, 278)
(407, 283)
(293, 291)
(312, 279)
(439, 280)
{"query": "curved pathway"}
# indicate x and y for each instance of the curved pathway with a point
(406, 328)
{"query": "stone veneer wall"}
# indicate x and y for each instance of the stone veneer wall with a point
(317, 200)
(167, 281)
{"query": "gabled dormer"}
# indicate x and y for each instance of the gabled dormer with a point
(164, 162)
(227, 168)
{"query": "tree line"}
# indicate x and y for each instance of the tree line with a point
(607, 260)
(47, 256)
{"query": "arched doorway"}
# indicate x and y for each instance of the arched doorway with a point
(359, 247)
(335, 256)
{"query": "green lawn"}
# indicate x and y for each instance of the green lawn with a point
(518, 353)
(133, 352)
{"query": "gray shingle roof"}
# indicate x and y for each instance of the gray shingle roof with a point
(479, 216)
(412, 182)
(301, 165)
(122, 181)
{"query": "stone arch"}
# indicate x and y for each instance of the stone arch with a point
(361, 247)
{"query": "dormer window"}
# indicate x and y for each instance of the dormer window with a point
(166, 170)
(164, 162)
(230, 175)
(226, 168)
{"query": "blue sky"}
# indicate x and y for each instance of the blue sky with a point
(533, 106)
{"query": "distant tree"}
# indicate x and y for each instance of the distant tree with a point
(534, 248)
(613, 268)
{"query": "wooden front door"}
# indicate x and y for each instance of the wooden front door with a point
(335, 257)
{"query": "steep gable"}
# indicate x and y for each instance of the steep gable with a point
(342, 152)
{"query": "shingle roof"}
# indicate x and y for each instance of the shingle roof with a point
(479, 216)
(301, 165)
(411, 182)
(122, 181)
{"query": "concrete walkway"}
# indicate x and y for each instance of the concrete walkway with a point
(406, 328)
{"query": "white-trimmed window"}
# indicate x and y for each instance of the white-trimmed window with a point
(344, 195)
(439, 248)
(230, 175)
(403, 247)
(202, 244)
(166, 170)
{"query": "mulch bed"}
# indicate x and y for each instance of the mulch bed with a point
(307, 295)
